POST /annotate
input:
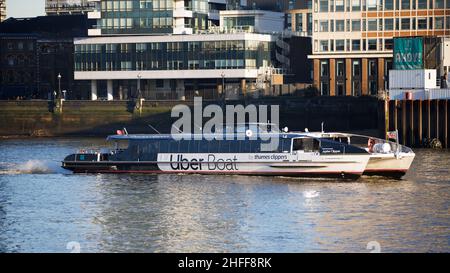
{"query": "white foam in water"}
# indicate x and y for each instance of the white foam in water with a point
(32, 167)
(310, 194)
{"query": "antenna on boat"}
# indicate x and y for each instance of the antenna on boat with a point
(154, 129)
(322, 127)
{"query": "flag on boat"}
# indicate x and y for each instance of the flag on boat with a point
(392, 135)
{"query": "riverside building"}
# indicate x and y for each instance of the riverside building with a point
(2, 10)
(353, 40)
(66, 7)
(165, 49)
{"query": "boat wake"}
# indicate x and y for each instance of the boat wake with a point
(31, 167)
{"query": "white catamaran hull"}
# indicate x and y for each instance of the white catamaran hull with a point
(265, 164)
(386, 164)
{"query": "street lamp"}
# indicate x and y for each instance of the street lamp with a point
(59, 85)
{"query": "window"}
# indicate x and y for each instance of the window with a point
(340, 45)
(356, 45)
(439, 22)
(324, 69)
(388, 4)
(421, 23)
(159, 83)
(299, 22)
(388, 24)
(356, 5)
(340, 25)
(388, 44)
(447, 22)
(305, 144)
(406, 4)
(324, 45)
(356, 68)
(372, 68)
(356, 25)
(323, 5)
(372, 24)
(422, 4)
(339, 5)
(356, 88)
(438, 4)
(324, 88)
(406, 24)
(323, 25)
(372, 4)
(340, 67)
(372, 44)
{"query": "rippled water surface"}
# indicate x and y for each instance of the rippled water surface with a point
(43, 208)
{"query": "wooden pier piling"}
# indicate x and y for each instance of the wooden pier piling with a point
(419, 122)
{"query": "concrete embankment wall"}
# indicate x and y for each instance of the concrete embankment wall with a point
(100, 118)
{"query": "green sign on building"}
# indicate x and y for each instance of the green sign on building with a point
(408, 53)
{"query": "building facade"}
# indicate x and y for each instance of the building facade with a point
(353, 40)
(66, 7)
(175, 50)
(154, 17)
(34, 51)
(2, 10)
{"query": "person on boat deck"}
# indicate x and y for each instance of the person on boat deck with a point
(370, 145)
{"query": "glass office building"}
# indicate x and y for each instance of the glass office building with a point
(173, 66)
(209, 55)
(167, 49)
(147, 17)
(151, 16)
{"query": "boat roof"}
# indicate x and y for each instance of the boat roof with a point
(199, 136)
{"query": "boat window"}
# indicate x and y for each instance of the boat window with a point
(306, 144)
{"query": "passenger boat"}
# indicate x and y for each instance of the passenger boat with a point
(297, 154)
(387, 158)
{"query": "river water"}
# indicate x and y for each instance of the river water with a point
(44, 208)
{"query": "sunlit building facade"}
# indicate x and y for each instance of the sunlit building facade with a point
(2, 10)
(353, 40)
(65, 7)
